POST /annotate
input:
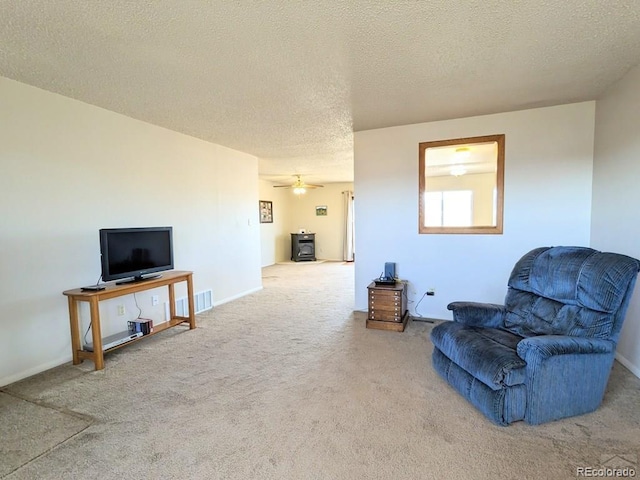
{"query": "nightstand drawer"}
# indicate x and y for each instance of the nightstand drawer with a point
(385, 307)
(385, 316)
(386, 293)
(388, 307)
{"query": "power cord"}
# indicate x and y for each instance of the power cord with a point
(419, 317)
(139, 317)
(418, 304)
(85, 333)
(89, 327)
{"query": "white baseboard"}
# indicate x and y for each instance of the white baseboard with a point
(235, 297)
(630, 366)
(33, 371)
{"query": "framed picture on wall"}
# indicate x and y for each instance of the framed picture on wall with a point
(266, 211)
(321, 210)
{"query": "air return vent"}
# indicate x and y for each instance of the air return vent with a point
(202, 301)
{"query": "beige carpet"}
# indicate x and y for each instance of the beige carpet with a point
(288, 384)
(304, 262)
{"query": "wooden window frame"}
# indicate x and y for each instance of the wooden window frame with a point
(496, 229)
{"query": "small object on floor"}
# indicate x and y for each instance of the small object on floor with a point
(422, 319)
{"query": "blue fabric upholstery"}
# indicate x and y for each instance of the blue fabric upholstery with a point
(478, 314)
(547, 353)
(489, 354)
(503, 406)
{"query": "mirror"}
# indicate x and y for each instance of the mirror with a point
(462, 185)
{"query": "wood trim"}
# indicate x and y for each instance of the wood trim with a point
(488, 229)
(391, 326)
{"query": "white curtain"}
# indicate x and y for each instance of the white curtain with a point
(349, 231)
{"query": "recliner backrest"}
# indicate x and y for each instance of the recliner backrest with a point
(574, 291)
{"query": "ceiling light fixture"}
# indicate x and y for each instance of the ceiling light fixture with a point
(462, 153)
(458, 170)
(299, 187)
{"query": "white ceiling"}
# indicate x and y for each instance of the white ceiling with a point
(289, 81)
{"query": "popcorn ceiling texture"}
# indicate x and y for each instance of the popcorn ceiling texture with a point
(290, 81)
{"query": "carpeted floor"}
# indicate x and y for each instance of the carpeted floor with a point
(288, 384)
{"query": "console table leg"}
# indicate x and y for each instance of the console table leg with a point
(172, 302)
(96, 332)
(192, 308)
(75, 329)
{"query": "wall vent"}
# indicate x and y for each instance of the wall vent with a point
(202, 301)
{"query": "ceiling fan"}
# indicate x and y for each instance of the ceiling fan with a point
(299, 186)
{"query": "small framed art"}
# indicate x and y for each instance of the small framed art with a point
(266, 211)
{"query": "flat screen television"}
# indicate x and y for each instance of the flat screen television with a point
(135, 254)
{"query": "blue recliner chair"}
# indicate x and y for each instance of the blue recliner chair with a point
(547, 353)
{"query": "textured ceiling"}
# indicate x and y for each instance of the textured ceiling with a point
(289, 81)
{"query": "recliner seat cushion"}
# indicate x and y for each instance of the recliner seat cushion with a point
(502, 406)
(488, 354)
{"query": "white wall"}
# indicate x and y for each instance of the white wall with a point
(616, 196)
(275, 241)
(548, 180)
(69, 169)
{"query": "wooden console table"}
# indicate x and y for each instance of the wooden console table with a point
(77, 295)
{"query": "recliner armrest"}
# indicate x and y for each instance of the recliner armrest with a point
(478, 314)
(565, 375)
(545, 346)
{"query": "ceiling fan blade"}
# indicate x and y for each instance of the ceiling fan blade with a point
(299, 184)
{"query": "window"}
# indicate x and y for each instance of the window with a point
(449, 209)
(461, 185)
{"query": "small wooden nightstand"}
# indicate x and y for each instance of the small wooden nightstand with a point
(388, 307)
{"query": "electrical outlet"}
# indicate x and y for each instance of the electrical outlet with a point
(120, 310)
(154, 300)
(431, 292)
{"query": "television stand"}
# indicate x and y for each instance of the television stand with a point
(93, 298)
(138, 279)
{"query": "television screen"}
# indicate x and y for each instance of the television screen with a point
(135, 252)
